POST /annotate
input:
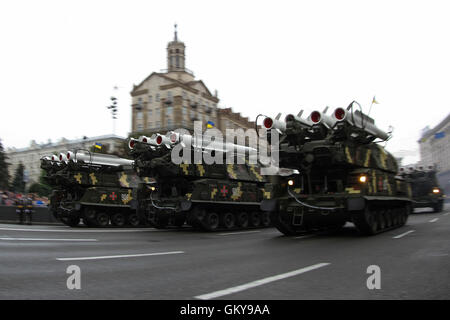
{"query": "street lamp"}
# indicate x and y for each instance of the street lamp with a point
(113, 108)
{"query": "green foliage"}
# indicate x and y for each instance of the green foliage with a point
(40, 189)
(4, 174)
(18, 184)
(43, 189)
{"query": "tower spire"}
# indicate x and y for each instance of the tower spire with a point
(175, 38)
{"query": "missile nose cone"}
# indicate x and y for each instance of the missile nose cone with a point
(268, 123)
(339, 113)
(315, 116)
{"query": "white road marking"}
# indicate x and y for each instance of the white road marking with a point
(121, 256)
(434, 220)
(446, 214)
(43, 239)
(305, 237)
(403, 234)
(241, 232)
(260, 282)
(81, 230)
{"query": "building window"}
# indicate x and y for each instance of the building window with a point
(150, 99)
(169, 122)
(157, 97)
(139, 104)
(184, 111)
(178, 61)
(169, 95)
(150, 113)
(184, 94)
(139, 115)
(157, 113)
(158, 124)
(150, 124)
(168, 111)
(140, 127)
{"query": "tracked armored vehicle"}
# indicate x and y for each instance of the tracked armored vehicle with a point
(344, 175)
(426, 191)
(95, 188)
(207, 197)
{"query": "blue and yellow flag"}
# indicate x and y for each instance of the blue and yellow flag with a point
(374, 100)
(209, 124)
(98, 145)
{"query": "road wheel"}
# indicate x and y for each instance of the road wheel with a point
(280, 221)
(89, 223)
(388, 218)
(196, 216)
(133, 220)
(255, 219)
(90, 214)
(102, 219)
(438, 207)
(403, 215)
(71, 222)
(265, 219)
(381, 221)
(335, 228)
(242, 219)
(366, 221)
(228, 220)
(395, 213)
(211, 221)
(178, 221)
(161, 220)
(118, 219)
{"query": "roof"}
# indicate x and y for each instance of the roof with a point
(189, 84)
(436, 129)
(74, 141)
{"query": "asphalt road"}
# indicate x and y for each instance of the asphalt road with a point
(414, 263)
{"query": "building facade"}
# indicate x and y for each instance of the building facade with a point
(30, 156)
(434, 148)
(174, 99)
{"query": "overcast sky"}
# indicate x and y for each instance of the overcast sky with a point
(59, 60)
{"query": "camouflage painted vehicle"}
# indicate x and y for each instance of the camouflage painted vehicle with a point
(98, 190)
(426, 191)
(207, 197)
(343, 175)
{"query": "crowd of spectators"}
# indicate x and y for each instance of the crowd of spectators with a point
(8, 198)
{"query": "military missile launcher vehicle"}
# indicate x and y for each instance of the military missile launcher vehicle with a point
(95, 188)
(425, 187)
(206, 196)
(344, 175)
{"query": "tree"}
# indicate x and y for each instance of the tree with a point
(4, 174)
(18, 184)
(41, 187)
